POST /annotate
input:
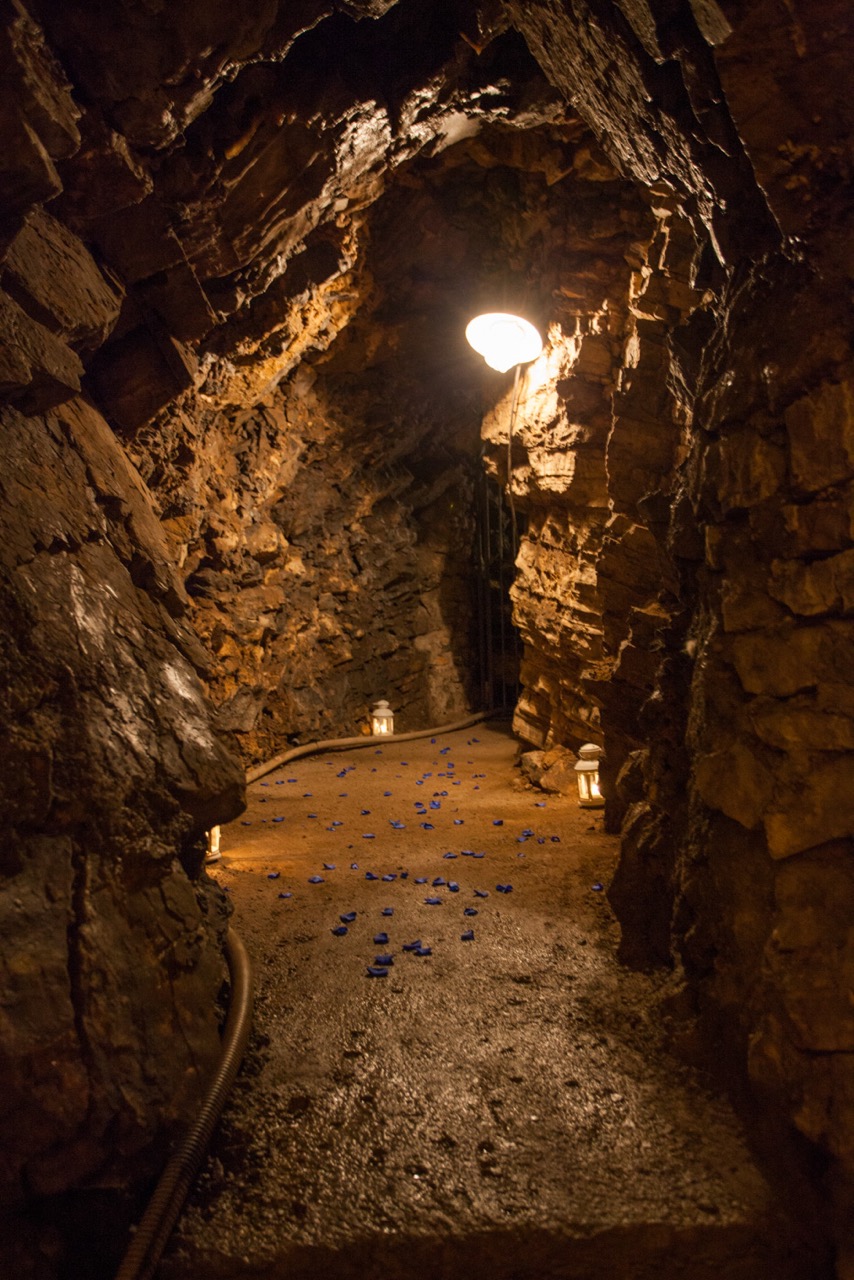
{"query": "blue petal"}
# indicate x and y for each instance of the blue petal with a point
(458, 822)
(369, 875)
(453, 887)
(404, 875)
(365, 813)
(348, 917)
(468, 936)
(449, 855)
(428, 826)
(438, 880)
(286, 895)
(481, 893)
(598, 887)
(246, 824)
(390, 876)
(424, 951)
(328, 866)
(498, 822)
(354, 866)
(412, 946)
(368, 835)
(386, 793)
(273, 875)
(376, 972)
(380, 939)
(385, 961)
(315, 879)
(278, 819)
(340, 930)
(433, 902)
(555, 839)
(420, 879)
(387, 911)
(470, 911)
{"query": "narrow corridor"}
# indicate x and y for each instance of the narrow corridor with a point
(496, 1103)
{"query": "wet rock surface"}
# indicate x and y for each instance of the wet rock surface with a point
(500, 1107)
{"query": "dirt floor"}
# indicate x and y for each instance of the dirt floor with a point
(498, 1105)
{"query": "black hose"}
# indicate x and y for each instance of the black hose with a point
(161, 1214)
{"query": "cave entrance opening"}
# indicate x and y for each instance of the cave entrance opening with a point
(499, 646)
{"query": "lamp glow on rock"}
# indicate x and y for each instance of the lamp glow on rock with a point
(382, 719)
(587, 776)
(503, 339)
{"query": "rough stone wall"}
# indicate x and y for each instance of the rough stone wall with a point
(110, 948)
(320, 578)
(724, 573)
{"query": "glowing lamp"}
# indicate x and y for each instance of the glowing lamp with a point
(382, 718)
(503, 340)
(213, 853)
(587, 776)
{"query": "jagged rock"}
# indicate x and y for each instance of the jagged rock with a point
(37, 369)
(55, 279)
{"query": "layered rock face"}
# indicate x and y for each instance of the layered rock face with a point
(238, 254)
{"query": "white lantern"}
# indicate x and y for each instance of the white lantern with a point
(587, 776)
(213, 853)
(503, 339)
(382, 719)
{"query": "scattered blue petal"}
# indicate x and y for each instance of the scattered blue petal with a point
(435, 804)
(398, 826)
(369, 875)
(437, 882)
(481, 893)
(246, 824)
(377, 972)
(449, 855)
(368, 835)
(278, 819)
(315, 879)
(365, 813)
(424, 951)
(478, 855)
(412, 946)
(433, 902)
(453, 887)
(265, 784)
(311, 815)
(386, 793)
(348, 917)
(470, 911)
(555, 839)
(458, 822)
(468, 936)
(387, 911)
(539, 804)
(428, 826)
(598, 887)
(340, 930)
(391, 876)
(354, 866)
(329, 866)
(273, 875)
(404, 875)
(420, 879)
(380, 939)
(498, 822)
(286, 895)
(384, 961)
(504, 888)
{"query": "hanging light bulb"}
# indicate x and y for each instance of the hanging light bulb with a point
(503, 339)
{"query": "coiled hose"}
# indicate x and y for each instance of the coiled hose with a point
(161, 1214)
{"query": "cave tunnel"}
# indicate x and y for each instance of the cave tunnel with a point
(254, 479)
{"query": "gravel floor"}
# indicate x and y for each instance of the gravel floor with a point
(498, 1107)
